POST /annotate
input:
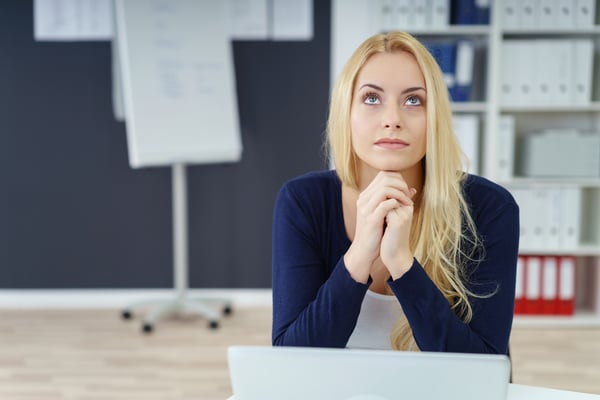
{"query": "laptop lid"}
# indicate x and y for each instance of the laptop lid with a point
(265, 373)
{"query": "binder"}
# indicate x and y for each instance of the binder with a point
(523, 74)
(527, 14)
(465, 60)
(466, 128)
(562, 50)
(539, 220)
(585, 13)
(553, 211)
(548, 13)
(549, 303)
(403, 14)
(464, 12)
(387, 19)
(522, 197)
(482, 9)
(569, 230)
(566, 284)
(509, 69)
(440, 14)
(582, 67)
(545, 65)
(471, 12)
(506, 147)
(533, 275)
(509, 16)
(565, 13)
(520, 286)
(419, 15)
(444, 53)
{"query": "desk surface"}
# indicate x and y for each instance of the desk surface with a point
(524, 392)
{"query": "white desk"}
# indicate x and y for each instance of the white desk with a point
(524, 392)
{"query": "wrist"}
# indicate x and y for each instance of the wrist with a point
(358, 267)
(401, 267)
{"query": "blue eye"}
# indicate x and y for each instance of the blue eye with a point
(371, 98)
(413, 101)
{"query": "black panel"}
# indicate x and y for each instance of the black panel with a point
(73, 214)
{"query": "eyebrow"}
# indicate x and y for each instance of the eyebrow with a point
(407, 90)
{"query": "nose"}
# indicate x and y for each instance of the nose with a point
(391, 118)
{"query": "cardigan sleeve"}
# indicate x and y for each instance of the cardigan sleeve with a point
(436, 327)
(314, 304)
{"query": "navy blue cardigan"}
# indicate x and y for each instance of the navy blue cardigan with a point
(316, 302)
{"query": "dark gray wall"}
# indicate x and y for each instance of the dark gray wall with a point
(73, 214)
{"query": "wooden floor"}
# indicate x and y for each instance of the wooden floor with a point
(94, 355)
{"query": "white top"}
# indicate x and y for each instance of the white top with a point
(378, 315)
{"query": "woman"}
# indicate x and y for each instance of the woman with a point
(397, 248)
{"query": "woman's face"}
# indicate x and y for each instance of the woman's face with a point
(388, 114)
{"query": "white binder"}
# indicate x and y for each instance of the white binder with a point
(523, 73)
(542, 61)
(565, 13)
(466, 128)
(553, 215)
(539, 227)
(562, 50)
(570, 218)
(582, 67)
(440, 14)
(403, 14)
(419, 15)
(547, 13)
(509, 17)
(522, 197)
(585, 13)
(527, 14)
(509, 69)
(506, 147)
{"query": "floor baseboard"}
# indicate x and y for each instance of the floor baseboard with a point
(120, 298)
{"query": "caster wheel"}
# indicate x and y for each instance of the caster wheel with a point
(213, 324)
(227, 310)
(126, 314)
(147, 328)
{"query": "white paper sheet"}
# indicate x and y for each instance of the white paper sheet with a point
(292, 20)
(73, 20)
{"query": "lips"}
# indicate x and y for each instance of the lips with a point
(391, 144)
(385, 141)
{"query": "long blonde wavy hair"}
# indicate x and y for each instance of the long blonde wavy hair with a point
(443, 235)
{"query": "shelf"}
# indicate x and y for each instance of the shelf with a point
(581, 251)
(571, 182)
(470, 106)
(453, 30)
(555, 31)
(550, 108)
(579, 320)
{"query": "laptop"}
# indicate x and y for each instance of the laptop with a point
(304, 373)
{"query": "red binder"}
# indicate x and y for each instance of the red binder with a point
(566, 285)
(549, 289)
(520, 286)
(533, 282)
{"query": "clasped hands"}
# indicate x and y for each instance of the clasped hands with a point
(384, 212)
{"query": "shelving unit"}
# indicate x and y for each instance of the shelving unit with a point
(352, 23)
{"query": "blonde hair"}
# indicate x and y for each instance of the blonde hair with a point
(443, 235)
